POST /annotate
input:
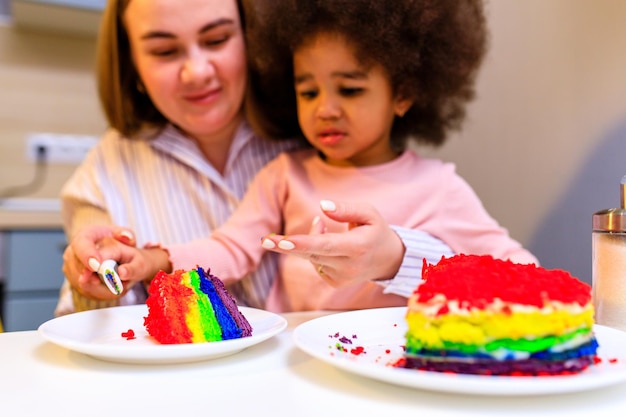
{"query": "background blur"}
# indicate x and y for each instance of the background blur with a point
(543, 145)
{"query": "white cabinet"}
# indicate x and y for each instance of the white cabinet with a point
(32, 261)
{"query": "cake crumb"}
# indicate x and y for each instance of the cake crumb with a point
(129, 334)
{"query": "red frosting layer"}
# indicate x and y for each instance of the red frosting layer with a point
(168, 309)
(475, 281)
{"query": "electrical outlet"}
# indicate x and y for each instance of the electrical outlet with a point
(59, 148)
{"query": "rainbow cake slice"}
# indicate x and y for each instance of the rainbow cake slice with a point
(192, 307)
(479, 315)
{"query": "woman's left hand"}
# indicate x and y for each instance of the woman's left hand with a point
(369, 250)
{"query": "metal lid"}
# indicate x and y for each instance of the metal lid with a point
(612, 220)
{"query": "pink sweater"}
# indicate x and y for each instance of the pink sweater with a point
(410, 191)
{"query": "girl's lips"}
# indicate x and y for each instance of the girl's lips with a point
(329, 138)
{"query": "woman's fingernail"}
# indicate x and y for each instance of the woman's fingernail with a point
(268, 244)
(94, 264)
(286, 245)
(127, 236)
(316, 220)
(328, 205)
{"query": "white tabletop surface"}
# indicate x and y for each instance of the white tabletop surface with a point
(273, 378)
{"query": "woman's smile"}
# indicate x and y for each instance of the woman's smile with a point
(203, 96)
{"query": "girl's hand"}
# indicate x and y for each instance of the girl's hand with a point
(137, 265)
(369, 250)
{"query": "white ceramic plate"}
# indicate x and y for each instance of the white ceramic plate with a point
(380, 334)
(98, 333)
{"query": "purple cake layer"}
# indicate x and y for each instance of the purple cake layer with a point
(242, 325)
(491, 367)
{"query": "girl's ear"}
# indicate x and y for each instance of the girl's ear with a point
(402, 106)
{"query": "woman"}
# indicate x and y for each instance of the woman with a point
(179, 155)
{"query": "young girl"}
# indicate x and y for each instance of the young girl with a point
(361, 93)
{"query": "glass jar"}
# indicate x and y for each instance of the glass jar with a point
(609, 265)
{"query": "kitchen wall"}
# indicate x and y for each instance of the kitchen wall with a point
(543, 144)
(46, 85)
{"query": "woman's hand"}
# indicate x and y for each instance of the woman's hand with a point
(369, 250)
(82, 259)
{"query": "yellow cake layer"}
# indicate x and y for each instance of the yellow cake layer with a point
(200, 316)
(481, 327)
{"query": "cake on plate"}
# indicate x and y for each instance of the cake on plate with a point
(479, 315)
(192, 307)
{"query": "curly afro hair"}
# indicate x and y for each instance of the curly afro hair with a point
(431, 50)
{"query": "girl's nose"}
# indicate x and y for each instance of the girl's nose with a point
(328, 107)
(197, 68)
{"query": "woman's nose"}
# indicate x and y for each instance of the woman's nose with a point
(197, 68)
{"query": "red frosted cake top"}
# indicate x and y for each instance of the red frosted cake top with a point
(168, 308)
(476, 281)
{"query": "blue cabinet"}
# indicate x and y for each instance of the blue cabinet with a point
(33, 262)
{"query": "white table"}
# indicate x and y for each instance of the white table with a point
(274, 378)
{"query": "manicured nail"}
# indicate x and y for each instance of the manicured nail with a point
(94, 264)
(127, 236)
(328, 205)
(316, 220)
(268, 244)
(286, 245)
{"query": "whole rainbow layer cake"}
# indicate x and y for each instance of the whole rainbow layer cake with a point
(479, 315)
(192, 307)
